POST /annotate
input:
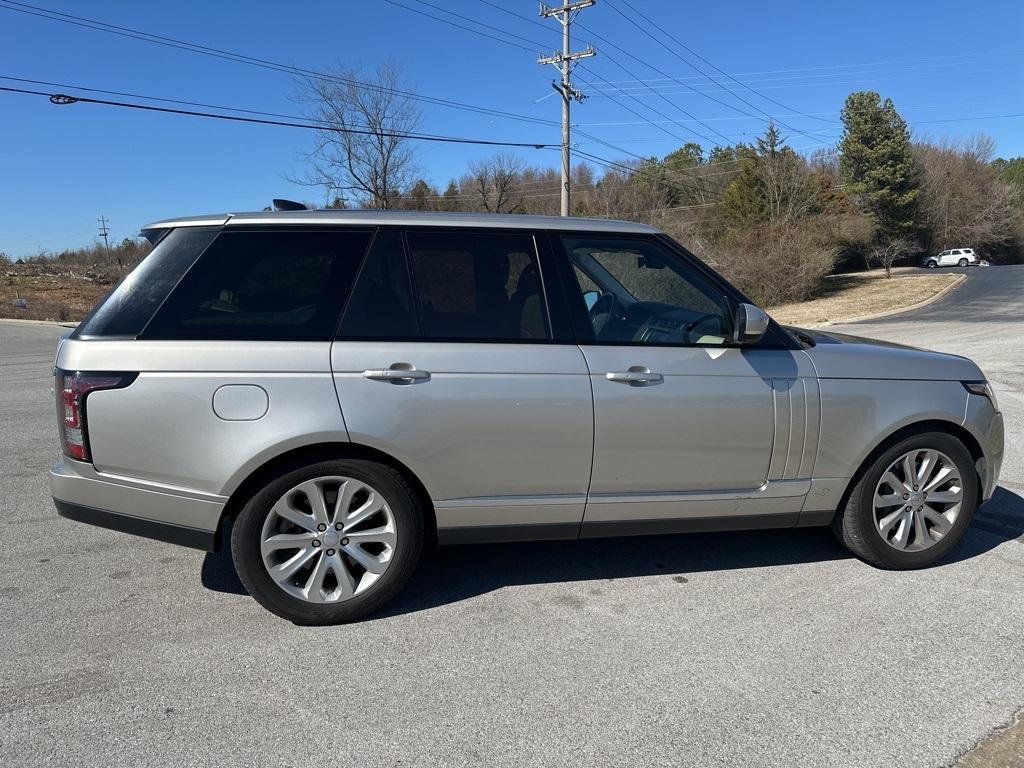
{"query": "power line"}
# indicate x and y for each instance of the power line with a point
(616, 62)
(460, 26)
(63, 99)
(681, 44)
(859, 64)
(750, 78)
(238, 58)
(689, 87)
(860, 83)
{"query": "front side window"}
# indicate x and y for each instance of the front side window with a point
(638, 292)
(264, 285)
(482, 285)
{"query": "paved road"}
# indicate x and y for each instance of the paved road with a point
(772, 648)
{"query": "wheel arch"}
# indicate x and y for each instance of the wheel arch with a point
(309, 454)
(916, 428)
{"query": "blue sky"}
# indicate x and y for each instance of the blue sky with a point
(946, 65)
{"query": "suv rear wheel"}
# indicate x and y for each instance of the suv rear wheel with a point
(330, 542)
(962, 263)
(912, 505)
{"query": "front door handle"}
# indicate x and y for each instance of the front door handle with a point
(399, 373)
(636, 376)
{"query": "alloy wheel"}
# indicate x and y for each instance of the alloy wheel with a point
(328, 539)
(917, 500)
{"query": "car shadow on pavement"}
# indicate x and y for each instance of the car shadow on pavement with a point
(458, 573)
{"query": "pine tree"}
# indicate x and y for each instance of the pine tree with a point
(877, 162)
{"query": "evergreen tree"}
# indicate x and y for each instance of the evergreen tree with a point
(878, 163)
(450, 198)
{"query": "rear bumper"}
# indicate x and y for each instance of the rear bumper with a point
(158, 512)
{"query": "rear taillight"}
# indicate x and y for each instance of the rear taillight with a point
(71, 388)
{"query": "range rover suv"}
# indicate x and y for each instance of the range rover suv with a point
(342, 390)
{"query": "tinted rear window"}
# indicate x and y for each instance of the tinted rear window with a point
(478, 286)
(264, 285)
(128, 308)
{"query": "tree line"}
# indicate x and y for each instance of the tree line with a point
(774, 219)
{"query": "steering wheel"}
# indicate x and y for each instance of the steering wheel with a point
(605, 308)
(692, 325)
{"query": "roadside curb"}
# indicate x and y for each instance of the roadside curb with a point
(54, 323)
(888, 313)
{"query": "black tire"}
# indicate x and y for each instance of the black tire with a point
(932, 264)
(246, 541)
(962, 263)
(854, 525)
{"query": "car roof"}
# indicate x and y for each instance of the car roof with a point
(416, 218)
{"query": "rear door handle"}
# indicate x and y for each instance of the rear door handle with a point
(636, 376)
(397, 375)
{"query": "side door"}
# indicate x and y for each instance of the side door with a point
(450, 359)
(688, 425)
(952, 257)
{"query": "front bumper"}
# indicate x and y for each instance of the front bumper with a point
(986, 424)
(159, 512)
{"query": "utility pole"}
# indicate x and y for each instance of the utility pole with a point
(945, 237)
(564, 62)
(104, 232)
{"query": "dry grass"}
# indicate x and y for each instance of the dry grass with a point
(845, 297)
(50, 297)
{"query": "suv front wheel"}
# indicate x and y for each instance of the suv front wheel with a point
(932, 264)
(330, 542)
(912, 504)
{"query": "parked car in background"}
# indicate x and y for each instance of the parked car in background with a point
(954, 257)
(349, 388)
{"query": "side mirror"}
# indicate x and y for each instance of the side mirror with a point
(750, 324)
(591, 297)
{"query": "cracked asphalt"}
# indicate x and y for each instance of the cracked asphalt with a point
(755, 649)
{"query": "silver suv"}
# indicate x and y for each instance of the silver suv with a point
(342, 390)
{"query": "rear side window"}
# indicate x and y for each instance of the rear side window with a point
(132, 303)
(381, 306)
(264, 285)
(478, 286)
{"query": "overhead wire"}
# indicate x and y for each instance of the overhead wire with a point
(239, 58)
(65, 99)
(692, 52)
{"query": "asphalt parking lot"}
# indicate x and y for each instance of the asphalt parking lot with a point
(764, 648)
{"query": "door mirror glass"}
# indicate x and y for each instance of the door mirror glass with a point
(751, 324)
(591, 297)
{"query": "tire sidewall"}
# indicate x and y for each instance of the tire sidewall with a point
(882, 553)
(248, 529)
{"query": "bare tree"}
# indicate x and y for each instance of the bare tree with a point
(963, 201)
(494, 183)
(361, 153)
(888, 253)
